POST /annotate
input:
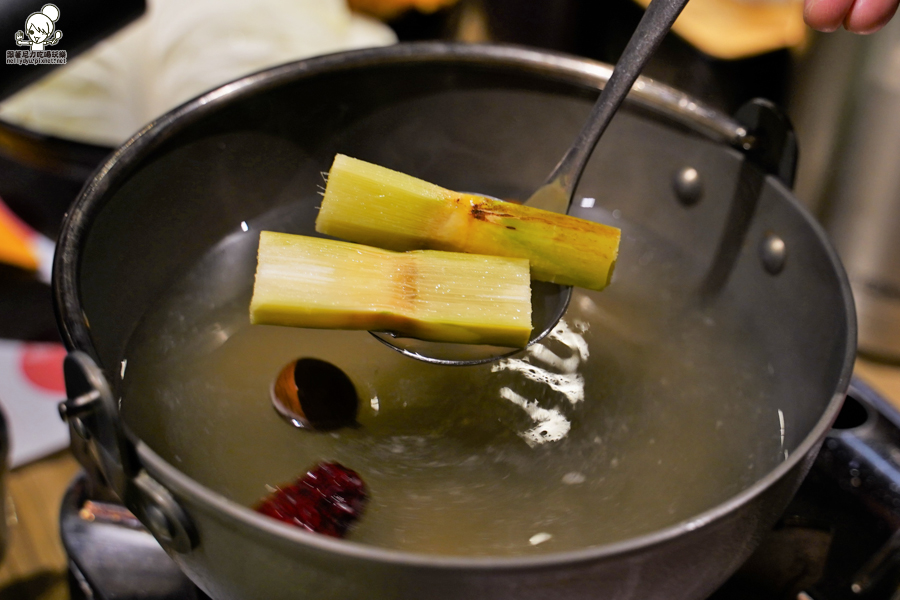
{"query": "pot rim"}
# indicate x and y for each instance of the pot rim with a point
(647, 93)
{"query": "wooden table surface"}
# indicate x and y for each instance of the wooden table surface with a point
(35, 565)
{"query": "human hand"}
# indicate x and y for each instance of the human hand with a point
(858, 16)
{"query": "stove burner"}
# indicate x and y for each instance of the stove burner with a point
(112, 556)
(839, 539)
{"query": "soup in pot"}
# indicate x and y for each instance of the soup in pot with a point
(641, 410)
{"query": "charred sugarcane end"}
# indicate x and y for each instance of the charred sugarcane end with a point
(373, 205)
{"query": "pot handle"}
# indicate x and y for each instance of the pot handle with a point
(770, 143)
(93, 417)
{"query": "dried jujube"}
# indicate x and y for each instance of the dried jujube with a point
(328, 500)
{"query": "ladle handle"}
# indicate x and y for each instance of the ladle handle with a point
(557, 193)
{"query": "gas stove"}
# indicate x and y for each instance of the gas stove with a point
(839, 539)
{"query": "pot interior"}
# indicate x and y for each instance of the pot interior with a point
(695, 374)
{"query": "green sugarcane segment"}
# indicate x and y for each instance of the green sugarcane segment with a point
(304, 281)
(373, 193)
(374, 205)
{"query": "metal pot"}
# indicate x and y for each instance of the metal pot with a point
(712, 187)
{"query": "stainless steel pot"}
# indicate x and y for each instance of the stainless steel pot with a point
(693, 177)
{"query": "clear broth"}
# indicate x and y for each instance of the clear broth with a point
(678, 412)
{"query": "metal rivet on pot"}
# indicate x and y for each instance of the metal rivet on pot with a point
(71, 411)
(744, 139)
(158, 523)
(163, 516)
(773, 253)
(83, 404)
(688, 186)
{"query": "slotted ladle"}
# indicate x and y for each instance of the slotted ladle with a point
(549, 301)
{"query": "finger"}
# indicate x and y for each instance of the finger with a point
(868, 16)
(826, 15)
